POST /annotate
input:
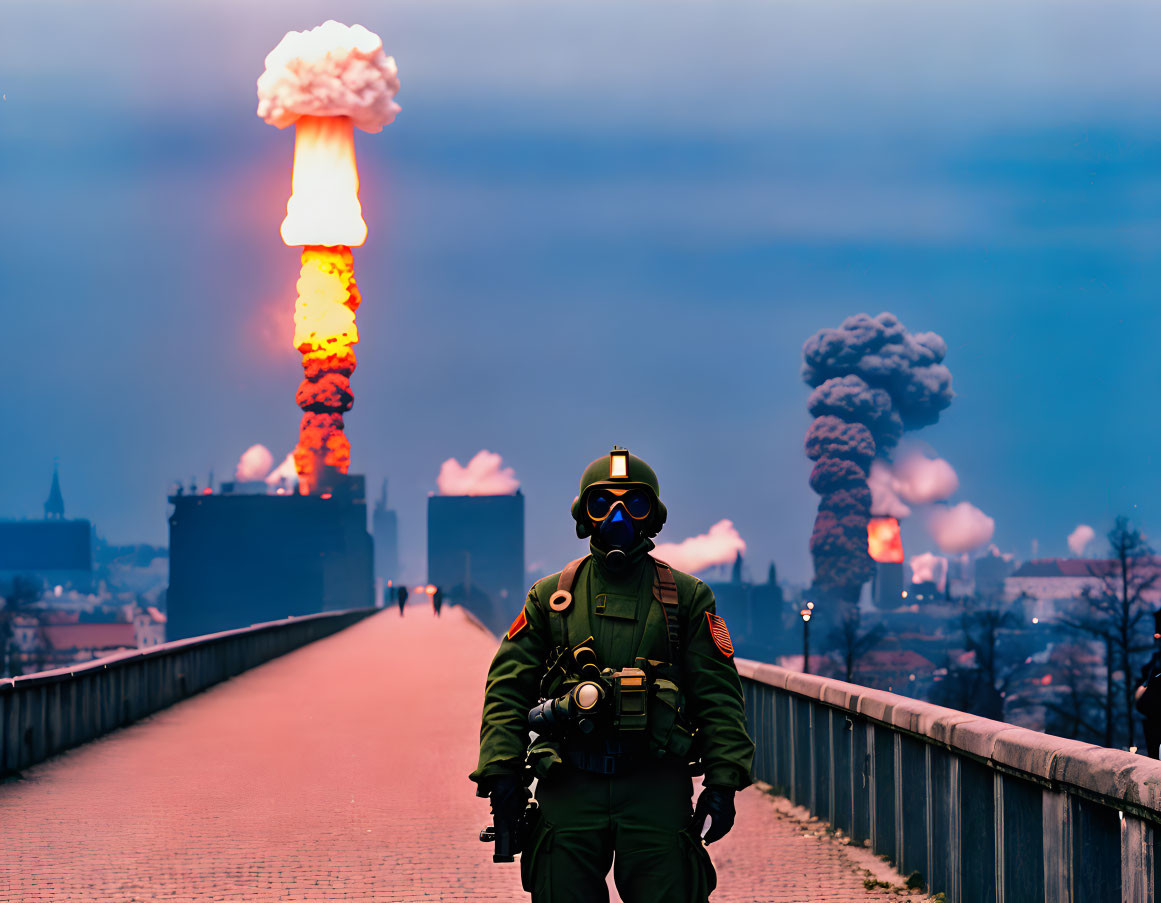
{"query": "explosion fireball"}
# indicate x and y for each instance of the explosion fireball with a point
(325, 82)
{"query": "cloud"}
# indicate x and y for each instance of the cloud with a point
(1079, 538)
(960, 528)
(929, 568)
(921, 480)
(331, 70)
(254, 464)
(483, 475)
(720, 545)
(916, 479)
(284, 475)
(885, 501)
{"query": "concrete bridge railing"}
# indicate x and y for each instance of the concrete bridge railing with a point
(48, 712)
(984, 811)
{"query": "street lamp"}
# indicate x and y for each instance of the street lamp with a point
(806, 613)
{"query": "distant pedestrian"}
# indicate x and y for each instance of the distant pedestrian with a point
(1148, 695)
(402, 597)
(437, 600)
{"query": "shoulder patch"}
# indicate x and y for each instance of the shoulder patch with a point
(519, 624)
(720, 634)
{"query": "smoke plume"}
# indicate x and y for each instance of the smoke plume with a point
(483, 475)
(872, 380)
(721, 545)
(254, 464)
(960, 528)
(916, 479)
(331, 70)
(928, 568)
(1079, 539)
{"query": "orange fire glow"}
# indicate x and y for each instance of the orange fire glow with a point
(324, 204)
(324, 333)
(884, 542)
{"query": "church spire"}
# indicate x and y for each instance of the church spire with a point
(54, 505)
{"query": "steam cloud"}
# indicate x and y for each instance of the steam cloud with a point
(916, 479)
(331, 70)
(1079, 539)
(960, 528)
(928, 568)
(285, 475)
(254, 464)
(872, 380)
(483, 475)
(720, 545)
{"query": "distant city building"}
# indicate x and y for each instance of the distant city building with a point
(887, 590)
(54, 551)
(241, 558)
(475, 553)
(753, 611)
(991, 571)
(1048, 585)
(44, 638)
(386, 530)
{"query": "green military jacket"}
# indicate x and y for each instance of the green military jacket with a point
(621, 614)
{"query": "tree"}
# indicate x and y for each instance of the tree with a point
(1114, 611)
(982, 687)
(1073, 706)
(851, 640)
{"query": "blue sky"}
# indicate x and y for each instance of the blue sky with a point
(593, 223)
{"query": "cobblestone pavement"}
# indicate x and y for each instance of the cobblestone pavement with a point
(337, 772)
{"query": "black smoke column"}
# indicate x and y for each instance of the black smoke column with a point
(872, 380)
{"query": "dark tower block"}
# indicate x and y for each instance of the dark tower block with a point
(386, 529)
(240, 559)
(475, 554)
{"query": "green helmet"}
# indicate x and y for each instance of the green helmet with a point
(618, 469)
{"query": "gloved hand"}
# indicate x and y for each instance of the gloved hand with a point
(716, 804)
(508, 795)
(509, 799)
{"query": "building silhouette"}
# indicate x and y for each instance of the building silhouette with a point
(240, 558)
(887, 590)
(385, 526)
(475, 554)
(55, 551)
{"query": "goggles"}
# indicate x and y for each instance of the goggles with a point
(599, 503)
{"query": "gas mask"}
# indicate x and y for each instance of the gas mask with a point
(619, 517)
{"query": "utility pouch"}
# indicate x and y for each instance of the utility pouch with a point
(668, 733)
(630, 701)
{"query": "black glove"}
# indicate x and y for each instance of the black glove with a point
(509, 799)
(717, 804)
(509, 796)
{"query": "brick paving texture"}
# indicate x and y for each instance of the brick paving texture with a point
(337, 772)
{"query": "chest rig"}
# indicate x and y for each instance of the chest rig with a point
(561, 601)
(638, 714)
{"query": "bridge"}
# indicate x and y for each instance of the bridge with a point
(332, 765)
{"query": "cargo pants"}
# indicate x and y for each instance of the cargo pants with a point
(642, 817)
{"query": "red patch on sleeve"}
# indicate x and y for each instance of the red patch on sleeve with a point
(519, 624)
(721, 635)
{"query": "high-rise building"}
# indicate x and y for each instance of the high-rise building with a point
(55, 551)
(887, 593)
(386, 529)
(240, 558)
(475, 553)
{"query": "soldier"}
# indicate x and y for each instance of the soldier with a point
(1148, 695)
(626, 673)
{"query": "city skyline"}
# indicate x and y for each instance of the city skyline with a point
(694, 225)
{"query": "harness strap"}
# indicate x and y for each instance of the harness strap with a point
(561, 601)
(665, 592)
